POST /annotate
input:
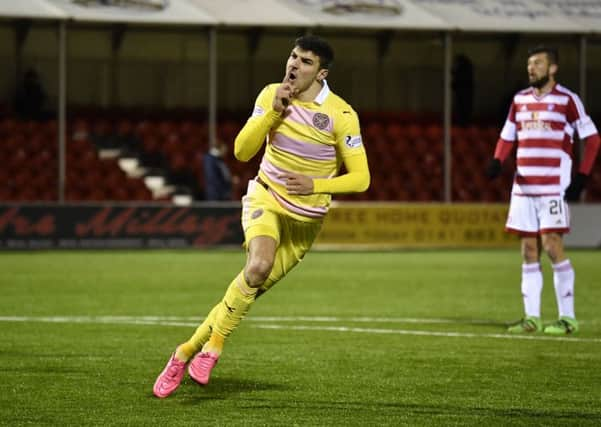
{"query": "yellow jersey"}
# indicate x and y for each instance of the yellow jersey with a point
(311, 138)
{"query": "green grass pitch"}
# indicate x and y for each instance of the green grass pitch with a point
(410, 338)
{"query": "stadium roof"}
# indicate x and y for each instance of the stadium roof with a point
(375, 14)
(272, 13)
(539, 16)
(587, 13)
(35, 9)
(180, 12)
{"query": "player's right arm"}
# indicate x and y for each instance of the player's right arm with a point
(263, 119)
(269, 107)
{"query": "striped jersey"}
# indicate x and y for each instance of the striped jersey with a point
(312, 139)
(544, 129)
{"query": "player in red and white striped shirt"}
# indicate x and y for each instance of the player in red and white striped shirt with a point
(542, 121)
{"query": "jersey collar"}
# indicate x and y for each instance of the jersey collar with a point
(539, 97)
(323, 93)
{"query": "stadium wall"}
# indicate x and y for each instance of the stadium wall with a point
(168, 68)
(348, 226)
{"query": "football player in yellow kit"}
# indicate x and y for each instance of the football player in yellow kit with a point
(309, 133)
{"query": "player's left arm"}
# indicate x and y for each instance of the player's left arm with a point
(577, 117)
(350, 146)
(356, 179)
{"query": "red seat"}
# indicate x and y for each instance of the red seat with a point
(228, 130)
(167, 128)
(374, 130)
(151, 144)
(414, 131)
(434, 133)
(172, 144)
(178, 162)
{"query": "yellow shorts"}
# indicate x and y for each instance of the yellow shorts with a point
(262, 215)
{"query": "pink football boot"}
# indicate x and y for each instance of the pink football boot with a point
(201, 366)
(170, 378)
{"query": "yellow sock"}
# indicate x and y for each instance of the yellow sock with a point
(230, 312)
(215, 344)
(188, 349)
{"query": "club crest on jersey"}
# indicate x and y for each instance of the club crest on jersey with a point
(321, 121)
(353, 141)
(550, 107)
(535, 115)
(523, 108)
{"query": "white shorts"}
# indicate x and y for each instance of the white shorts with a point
(531, 216)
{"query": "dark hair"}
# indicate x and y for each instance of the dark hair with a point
(319, 47)
(551, 52)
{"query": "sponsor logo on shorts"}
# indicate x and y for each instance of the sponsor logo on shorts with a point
(256, 214)
(353, 141)
(321, 121)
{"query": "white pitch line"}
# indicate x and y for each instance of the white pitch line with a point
(425, 333)
(118, 320)
(180, 321)
(326, 319)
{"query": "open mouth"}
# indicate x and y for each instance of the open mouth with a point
(291, 76)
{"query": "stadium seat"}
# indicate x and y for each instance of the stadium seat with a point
(396, 143)
(434, 133)
(414, 131)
